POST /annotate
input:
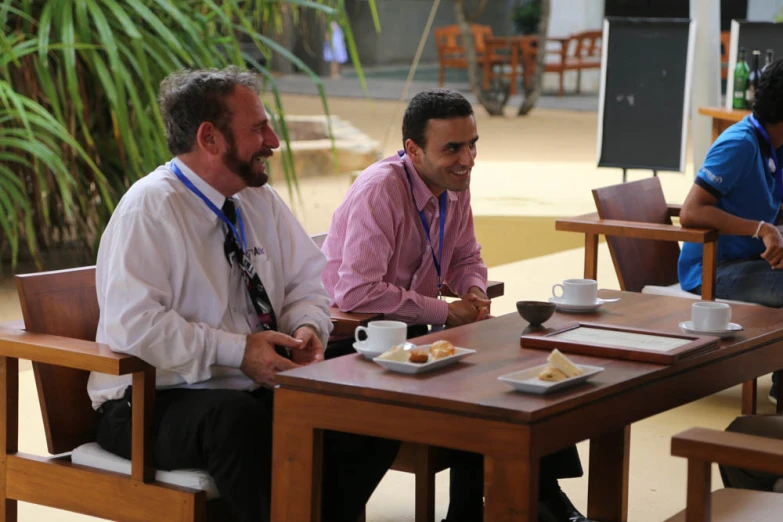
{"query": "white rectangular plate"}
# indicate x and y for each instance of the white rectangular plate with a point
(414, 368)
(528, 381)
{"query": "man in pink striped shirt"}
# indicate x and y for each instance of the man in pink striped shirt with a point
(404, 229)
(380, 258)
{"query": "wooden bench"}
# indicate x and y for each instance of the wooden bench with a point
(574, 53)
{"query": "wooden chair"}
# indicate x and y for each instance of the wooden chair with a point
(60, 312)
(421, 460)
(702, 447)
(574, 53)
(451, 50)
(644, 247)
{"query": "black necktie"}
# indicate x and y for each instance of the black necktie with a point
(255, 287)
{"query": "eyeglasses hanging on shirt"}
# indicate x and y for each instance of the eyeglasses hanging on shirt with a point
(235, 248)
(442, 200)
(774, 162)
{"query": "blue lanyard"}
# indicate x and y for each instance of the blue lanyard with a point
(219, 213)
(442, 200)
(774, 164)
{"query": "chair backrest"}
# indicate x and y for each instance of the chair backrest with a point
(448, 39)
(639, 262)
(588, 44)
(62, 303)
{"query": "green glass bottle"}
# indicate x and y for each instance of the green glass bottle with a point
(741, 74)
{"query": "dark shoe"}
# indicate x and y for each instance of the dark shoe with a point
(558, 508)
(773, 392)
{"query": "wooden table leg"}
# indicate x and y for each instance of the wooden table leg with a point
(9, 434)
(607, 489)
(749, 392)
(510, 489)
(717, 128)
(296, 463)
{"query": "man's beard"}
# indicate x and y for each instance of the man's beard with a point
(244, 169)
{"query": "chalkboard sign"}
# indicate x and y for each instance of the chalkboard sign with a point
(645, 93)
(752, 36)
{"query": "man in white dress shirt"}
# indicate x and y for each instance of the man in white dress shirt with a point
(204, 273)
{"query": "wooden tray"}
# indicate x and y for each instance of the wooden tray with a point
(618, 342)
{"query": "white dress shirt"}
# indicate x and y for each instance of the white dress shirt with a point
(168, 295)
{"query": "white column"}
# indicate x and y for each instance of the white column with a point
(706, 74)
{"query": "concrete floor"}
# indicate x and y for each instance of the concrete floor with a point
(529, 171)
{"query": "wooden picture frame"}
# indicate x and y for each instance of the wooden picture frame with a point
(681, 346)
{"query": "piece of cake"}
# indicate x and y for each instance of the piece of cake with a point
(562, 363)
(397, 353)
(550, 373)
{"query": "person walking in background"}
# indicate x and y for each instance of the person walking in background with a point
(334, 48)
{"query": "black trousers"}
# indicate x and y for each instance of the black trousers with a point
(770, 426)
(466, 490)
(229, 434)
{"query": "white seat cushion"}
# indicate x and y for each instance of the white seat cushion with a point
(742, 505)
(93, 456)
(676, 290)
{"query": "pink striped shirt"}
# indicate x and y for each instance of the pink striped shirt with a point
(377, 256)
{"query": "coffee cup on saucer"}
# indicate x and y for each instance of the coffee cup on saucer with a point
(581, 292)
(709, 316)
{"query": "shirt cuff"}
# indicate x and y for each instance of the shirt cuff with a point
(470, 281)
(231, 350)
(436, 311)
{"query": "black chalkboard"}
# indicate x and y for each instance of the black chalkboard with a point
(752, 36)
(645, 92)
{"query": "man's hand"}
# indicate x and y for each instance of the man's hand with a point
(312, 349)
(261, 363)
(475, 295)
(466, 310)
(773, 241)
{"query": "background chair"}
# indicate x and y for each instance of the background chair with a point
(702, 447)
(451, 50)
(644, 246)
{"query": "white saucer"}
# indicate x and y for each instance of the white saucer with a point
(732, 330)
(362, 348)
(578, 308)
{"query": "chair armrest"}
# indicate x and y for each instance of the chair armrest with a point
(731, 449)
(592, 224)
(494, 289)
(17, 343)
(346, 322)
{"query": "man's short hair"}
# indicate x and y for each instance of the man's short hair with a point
(768, 103)
(432, 104)
(188, 98)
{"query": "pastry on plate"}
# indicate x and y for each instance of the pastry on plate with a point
(560, 367)
(441, 349)
(397, 353)
(419, 356)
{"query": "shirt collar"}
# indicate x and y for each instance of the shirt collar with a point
(213, 195)
(421, 193)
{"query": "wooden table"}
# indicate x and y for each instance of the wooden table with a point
(466, 407)
(722, 118)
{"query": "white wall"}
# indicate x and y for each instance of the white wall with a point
(763, 10)
(574, 16)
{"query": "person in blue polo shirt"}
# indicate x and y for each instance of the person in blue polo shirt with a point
(738, 192)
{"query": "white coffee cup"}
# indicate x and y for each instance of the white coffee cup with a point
(577, 291)
(709, 316)
(382, 335)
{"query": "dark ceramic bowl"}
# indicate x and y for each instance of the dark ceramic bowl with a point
(535, 312)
